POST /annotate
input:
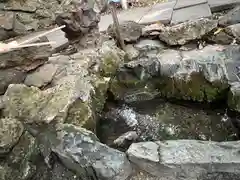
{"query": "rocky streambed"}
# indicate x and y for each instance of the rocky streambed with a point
(166, 109)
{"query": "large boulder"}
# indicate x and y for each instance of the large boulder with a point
(187, 159)
(10, 133)
(76, 90)
(198, 75)
(80, 151)
(191, 30)
(130, 31)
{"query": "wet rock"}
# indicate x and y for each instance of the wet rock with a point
(130, 31)
(126, 138)
(182, 33)
(232, 17)
(42, 76)
(80, 151)
(124, 121)
(10, 76)
(25, 59)
(159, 120)
(188, 159)
(10, 132)
(198, 75)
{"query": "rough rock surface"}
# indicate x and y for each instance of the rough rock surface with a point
(10, 76)
(80, 151)
(25, 59)
(182, 33)
(230, 18)
(186, 159)
(20, 17)
(41, 77)
(10, 132)
(78, 22)
(198, 75)
(73, 89)
(130, 31)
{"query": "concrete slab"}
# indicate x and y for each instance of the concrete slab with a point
(187, 3)
(159, 13)
(220, 5)
(191, 13)
(127, 15)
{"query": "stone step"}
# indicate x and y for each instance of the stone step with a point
(191, 13)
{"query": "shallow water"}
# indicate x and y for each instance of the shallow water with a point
(188, 122)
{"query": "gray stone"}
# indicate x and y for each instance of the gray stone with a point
(25, 59)
(127, 137)
(182, 33)
(130, 31)
(234, 30)
(148, 45)
(78, 89)
(131, 51)
(133, 125)
(186, 159)
(10, 76)
(22, 159)
(232, 17)
(198, 75)
(80, 151)
(233, 97)
(59, 103)
(42, 76)
(10, 132)
(191, 13)
(217, 5)
(187, 3)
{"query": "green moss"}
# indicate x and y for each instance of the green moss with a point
(196, 89)
(101, 86)
(110, 63)
(81, 114)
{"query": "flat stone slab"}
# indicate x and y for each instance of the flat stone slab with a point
(159, 13)
(187, 3)
(127, 15)
(191, 159)
(220, 5)
(191, 13)
(57, 36)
